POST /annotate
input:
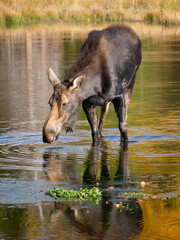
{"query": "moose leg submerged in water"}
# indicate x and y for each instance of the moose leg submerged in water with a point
(104, 72)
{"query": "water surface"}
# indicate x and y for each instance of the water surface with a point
(28, 167)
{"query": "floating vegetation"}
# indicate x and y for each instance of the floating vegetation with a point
(125, 207)
(61, 194)
(94, 195)
(129, 195)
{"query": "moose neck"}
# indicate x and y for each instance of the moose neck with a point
(90, 88)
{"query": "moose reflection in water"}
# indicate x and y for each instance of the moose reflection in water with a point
(104, 220)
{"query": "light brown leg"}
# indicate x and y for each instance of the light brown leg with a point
(104, 111)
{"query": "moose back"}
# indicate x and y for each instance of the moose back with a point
(104, 72)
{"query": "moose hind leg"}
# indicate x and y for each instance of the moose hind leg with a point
(91, 114)
(121, 111)
(104, 111)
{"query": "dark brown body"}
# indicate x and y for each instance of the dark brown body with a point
(104, 72)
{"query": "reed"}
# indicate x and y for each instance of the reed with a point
(29, 11)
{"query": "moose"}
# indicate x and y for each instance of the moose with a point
(104, 72)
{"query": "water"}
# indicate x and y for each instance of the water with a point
(28, 167)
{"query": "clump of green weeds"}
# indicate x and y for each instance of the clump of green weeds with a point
(130, 195)
(61, 194)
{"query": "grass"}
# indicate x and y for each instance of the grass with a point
(30, 11)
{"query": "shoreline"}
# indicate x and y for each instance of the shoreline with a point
(164, 12)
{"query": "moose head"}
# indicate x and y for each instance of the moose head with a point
(64, 104)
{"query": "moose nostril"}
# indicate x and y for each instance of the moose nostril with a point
(49, 137)
(45, 140)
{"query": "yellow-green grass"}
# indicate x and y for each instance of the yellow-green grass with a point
(29, 11)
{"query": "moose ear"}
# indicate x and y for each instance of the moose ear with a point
(77, 83)
(52, 77)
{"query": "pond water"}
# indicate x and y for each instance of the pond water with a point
(150, 164)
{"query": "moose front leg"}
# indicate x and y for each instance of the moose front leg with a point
(91, 113)
(104, 111)
(121, 111)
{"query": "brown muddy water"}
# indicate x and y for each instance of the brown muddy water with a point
(28, 168)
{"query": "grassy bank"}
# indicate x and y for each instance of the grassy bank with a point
(29, 11)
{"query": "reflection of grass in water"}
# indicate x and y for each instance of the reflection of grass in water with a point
(163, 11)
(81, 31)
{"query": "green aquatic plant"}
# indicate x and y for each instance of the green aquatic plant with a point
(123, 207)
(134, 195)
(61, 194)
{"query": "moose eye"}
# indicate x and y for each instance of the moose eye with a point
(50, 102)
(64, 105)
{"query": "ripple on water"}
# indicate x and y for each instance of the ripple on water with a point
(161, 228)
(25, 156)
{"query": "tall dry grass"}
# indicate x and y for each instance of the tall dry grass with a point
(24, 11)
